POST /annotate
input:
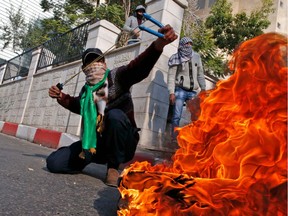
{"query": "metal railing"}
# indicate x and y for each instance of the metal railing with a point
(18, 67)
(60, 50)
(64, 48)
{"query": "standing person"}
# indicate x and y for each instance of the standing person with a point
(133, 22)
(120, 136)
(185, 77)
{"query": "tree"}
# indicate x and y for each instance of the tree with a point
(66, 15)
(75, 12)
(34, 36)
(222, 31)
(71, 13)
(203, 41)
(230, 30)
(128, 5)
(14, 30)
(113, 13)
(191, 20)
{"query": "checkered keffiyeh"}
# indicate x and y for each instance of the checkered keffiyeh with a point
(184, 53)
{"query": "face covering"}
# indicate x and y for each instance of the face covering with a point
(184, 54)
(94, 72)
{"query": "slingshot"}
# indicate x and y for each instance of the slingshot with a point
(156, 22)
(141, 27)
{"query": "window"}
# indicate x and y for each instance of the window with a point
(201, 4)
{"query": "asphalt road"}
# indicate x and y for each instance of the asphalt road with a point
(28, 189)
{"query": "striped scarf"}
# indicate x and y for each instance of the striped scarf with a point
(184, 54)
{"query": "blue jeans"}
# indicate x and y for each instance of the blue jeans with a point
(181, 96)
(132, 41)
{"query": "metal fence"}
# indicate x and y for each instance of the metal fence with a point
(60, 50)
(18, 67)
(65, 48)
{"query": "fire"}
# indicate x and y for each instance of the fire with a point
(233, 159)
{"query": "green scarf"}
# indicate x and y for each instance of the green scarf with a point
(89, 114)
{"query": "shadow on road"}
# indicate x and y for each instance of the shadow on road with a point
(106, 203)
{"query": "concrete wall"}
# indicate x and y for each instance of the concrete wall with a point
(26, 101)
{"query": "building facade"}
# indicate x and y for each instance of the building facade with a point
(31, 10)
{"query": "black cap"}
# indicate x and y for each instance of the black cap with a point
(90, 55)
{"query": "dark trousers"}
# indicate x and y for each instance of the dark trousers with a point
(116, 145)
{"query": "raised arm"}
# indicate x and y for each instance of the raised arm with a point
(139, 68)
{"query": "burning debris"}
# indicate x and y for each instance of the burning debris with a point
(233, 159)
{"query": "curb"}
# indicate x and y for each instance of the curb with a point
(44, 137)
(56, 139)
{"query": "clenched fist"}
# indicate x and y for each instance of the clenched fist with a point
(55, 92)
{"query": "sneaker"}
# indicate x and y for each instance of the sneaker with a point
(112, 177)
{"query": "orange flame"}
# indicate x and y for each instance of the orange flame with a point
(233, 159)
